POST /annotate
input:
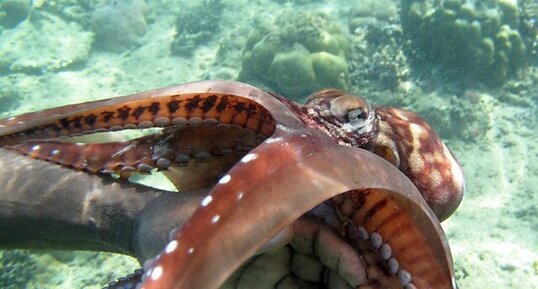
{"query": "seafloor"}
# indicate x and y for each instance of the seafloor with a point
(53, 56)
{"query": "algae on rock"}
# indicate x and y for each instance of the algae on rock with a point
(467, 40)
(297, 55)
(43, 42)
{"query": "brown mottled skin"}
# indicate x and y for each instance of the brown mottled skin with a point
(290, 176)
(408, 142)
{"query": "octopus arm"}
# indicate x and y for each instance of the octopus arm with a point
(282, 179)
(209, 102)
(191, 157)
(85, 212)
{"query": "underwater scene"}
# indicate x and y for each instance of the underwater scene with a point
(469, 68)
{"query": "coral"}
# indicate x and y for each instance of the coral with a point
(382, 10)
(196, 25)
(296, 55)
(466, 40)
(17, 268)
(529, 25)
(119, 25)
(70, 10)
(44, 42)
(377, 61)
(298, 2)
(293, 70)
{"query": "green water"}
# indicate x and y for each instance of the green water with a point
(469, 68)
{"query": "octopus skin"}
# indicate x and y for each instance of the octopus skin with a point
(280, 162)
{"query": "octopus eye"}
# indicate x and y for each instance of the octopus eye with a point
(348, 113)
(356, 114)
(358, 120)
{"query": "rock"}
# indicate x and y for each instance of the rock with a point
(13, 12)
(44, 42)
(119, 25)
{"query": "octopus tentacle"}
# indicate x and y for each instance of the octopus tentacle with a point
(192, 157)
(381, 216)
(205, 252)
(118, 157)
(190, 104)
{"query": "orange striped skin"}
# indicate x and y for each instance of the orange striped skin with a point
(138, 112)
(412, 241)
(141, 110)
(286, 159)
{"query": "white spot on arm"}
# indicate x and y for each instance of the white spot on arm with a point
(215, 219)
(171, 247)
(240, 195)
(249, 157)
(225, 179)
(156, 273)
(206, 201)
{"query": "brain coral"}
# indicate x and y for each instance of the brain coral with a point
(468, 40)
(296, 55)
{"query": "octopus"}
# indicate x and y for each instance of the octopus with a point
(334, 193)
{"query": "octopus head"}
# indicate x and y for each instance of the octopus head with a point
(399, 136)
(347, 118)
